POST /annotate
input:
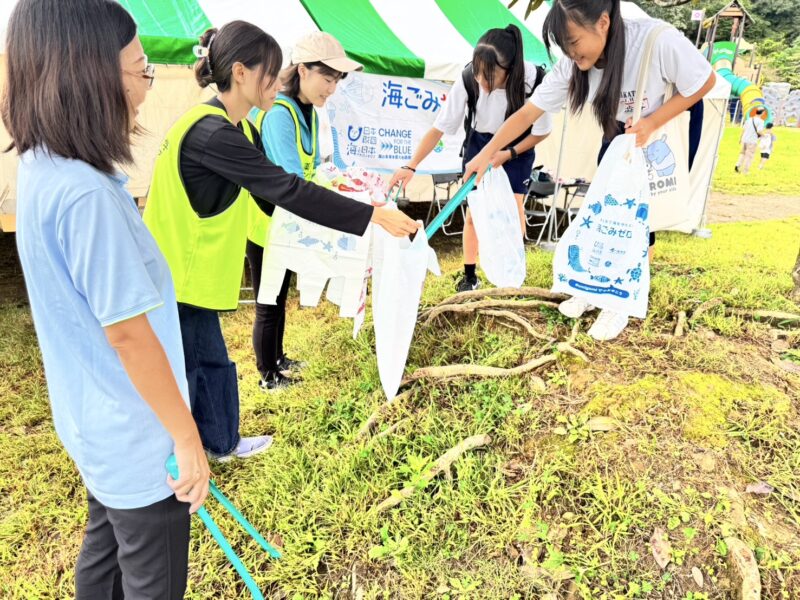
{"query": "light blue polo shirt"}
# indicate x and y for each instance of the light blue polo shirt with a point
(90, 262)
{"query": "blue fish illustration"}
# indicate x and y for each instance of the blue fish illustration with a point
(596, 208)
(600, 278)
(610, 201)
(291, 227)
(346, 242)
(308, 241)
(574, 257)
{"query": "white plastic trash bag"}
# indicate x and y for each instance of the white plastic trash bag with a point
(602, 258)
(398, 276)
(496, 218)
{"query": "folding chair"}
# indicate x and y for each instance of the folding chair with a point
(536, 211)
(442, 184)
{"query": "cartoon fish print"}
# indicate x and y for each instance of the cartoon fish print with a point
(346, 242)
(308, 241)
(291, 227)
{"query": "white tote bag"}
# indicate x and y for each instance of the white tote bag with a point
(398, 276)
(496, 218)
(602, 257)
(667, 155)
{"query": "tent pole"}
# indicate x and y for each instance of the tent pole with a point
(550, 220)
(704, 231)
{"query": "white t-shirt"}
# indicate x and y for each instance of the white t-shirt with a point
(674, 61)
(753, 128)
(490, 109)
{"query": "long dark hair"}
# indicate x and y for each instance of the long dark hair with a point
(586, 13)
(237, 41)
(290, 77)
(64, 88)
(502, 48)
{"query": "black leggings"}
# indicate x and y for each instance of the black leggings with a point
(270, 320)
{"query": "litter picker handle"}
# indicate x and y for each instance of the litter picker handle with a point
(227, 549)
(449, 208)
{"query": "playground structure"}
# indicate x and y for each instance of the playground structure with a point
(723, 55)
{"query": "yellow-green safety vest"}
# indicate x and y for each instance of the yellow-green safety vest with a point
(258, 222)
(205, 255)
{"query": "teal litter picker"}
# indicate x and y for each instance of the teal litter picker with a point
(230, 553)
(451, 206)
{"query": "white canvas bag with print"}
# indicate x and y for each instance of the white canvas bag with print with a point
(666, 153)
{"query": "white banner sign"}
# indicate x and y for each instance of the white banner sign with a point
(378, 121)
(697, 15)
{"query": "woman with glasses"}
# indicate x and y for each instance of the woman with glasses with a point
(101, 294)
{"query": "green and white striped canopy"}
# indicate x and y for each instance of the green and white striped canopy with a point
(414, 38)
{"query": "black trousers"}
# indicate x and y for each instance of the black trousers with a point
(270, 320)
(135, 554)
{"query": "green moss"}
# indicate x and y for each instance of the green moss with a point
(701, 405)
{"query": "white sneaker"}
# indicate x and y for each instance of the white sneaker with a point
(574, 307)
(608, 325)
(247, 447)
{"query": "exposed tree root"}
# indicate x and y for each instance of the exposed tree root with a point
(681, 324)
(453, 371)
(771, 316)
(567, 348)
(705, 307)
(526, 325)
(442, 465)
(481, 305)
(391, 429)
(534, 292)
(380, 413)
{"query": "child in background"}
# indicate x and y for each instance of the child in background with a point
(765, 144)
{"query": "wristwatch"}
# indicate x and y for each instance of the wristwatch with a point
(513, 152)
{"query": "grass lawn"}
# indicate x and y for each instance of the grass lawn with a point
(549, 506)
(780, 176)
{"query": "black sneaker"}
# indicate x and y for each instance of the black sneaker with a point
(275, 381)
(465, 284)
(289, 365)
(736, 168)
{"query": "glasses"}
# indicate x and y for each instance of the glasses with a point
(149, 73)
